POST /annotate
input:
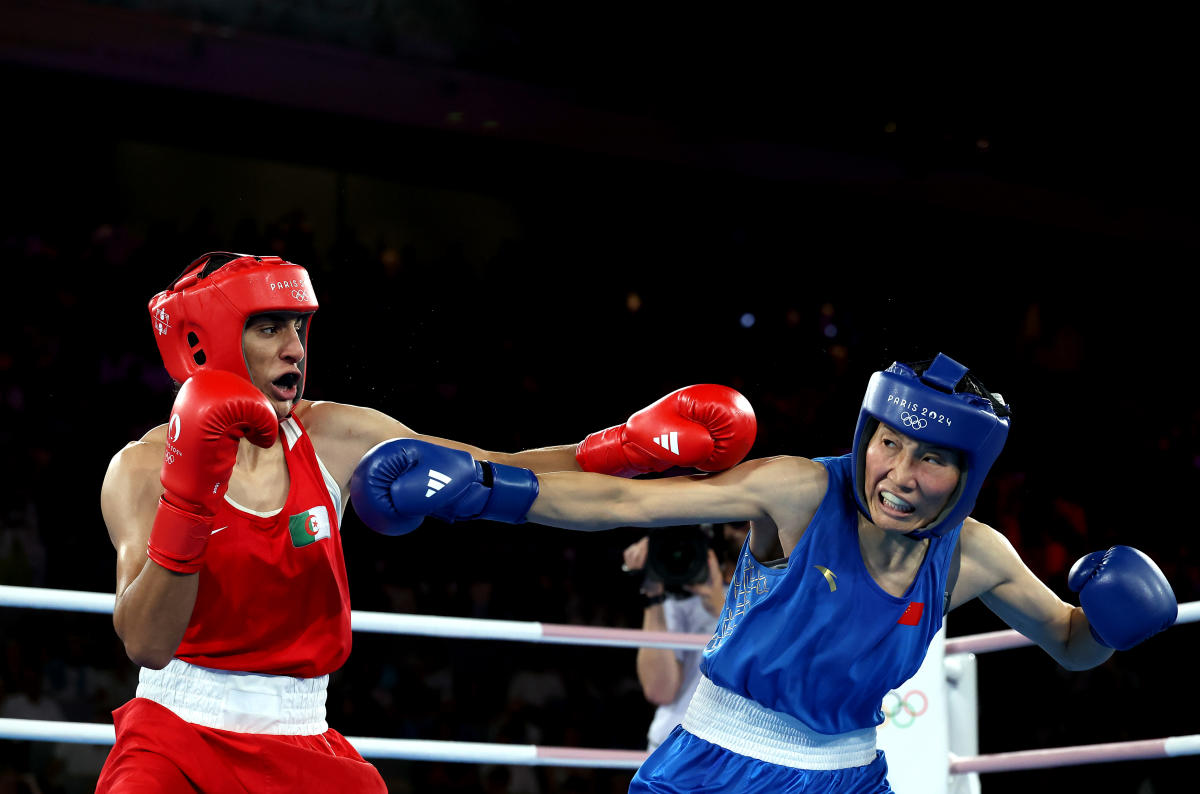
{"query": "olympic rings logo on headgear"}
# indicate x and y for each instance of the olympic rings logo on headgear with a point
(299, 294)
(906, 709)
(913, 421)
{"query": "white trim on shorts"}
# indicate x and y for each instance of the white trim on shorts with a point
(739, 724)
(242, 702)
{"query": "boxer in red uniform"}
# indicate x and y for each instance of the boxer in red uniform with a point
(231, 586)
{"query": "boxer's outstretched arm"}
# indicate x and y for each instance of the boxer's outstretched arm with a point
(343, 433)
(392, 493)
(780, 489)
(708, 427)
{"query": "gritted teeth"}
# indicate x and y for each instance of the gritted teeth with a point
(895, 502)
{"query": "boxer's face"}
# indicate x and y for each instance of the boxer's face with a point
(907, 481)
(274, 351)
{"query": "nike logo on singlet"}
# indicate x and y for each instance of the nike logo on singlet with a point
(215, 531)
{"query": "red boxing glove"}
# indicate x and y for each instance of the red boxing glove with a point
(213, 410)
(707, 427)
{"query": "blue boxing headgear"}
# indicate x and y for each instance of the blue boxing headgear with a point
(934, 407)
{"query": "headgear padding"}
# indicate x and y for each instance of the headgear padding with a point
(927, 407)
(198, 321)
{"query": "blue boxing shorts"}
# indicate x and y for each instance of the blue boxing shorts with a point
(729, 743)
(685, 764)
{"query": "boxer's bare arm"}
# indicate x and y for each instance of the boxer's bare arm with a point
(343, 433)
(153, 604)
(778, 495)
(992, 570)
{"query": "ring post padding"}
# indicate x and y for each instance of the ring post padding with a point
(915, 732)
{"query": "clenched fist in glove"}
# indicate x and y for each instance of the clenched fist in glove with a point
(707, 427)
(399, 482)
(1124, 595)
(212, 412)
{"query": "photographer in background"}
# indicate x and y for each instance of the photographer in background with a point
(683, 586)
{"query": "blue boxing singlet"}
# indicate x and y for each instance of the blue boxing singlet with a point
(819, 640)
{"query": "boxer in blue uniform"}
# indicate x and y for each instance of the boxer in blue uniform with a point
(849, 567)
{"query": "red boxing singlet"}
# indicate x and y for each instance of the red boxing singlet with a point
(273, 596)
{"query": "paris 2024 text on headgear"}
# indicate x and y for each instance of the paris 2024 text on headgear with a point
(198, 321)
(933, 407)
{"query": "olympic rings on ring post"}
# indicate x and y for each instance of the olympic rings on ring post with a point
(904, 712)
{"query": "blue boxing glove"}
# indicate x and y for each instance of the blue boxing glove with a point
(399, 482)
(1124, 594)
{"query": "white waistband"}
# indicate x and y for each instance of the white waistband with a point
(242, 702)
(739, 724)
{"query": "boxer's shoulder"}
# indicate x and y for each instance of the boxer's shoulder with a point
(155, 436)
(341, 434)
(325, 416)
(140, 458)
(132, 479)
(347, 425)
(330, 425)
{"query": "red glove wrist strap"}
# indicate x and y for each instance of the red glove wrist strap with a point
(179, 538)
(602, 452)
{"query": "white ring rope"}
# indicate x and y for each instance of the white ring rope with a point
(519, 630)
(1170, 747)
(389, 623)
(534, 755)
(405, 749)
(1003, 640)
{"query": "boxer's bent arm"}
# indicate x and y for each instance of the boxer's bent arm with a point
(342, 434)
(779, 489)
(992, 569)
(153, 604)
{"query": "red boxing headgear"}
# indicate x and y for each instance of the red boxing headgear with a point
(198, 321)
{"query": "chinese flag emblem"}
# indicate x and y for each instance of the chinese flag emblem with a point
(912, 615)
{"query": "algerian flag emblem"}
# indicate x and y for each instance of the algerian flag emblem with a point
(309, 526)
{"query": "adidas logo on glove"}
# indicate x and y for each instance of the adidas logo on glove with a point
(386, 487)
(437, 481)
(668, 441)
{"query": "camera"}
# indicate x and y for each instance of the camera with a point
(678, 556)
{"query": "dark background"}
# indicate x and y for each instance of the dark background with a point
(524, 223)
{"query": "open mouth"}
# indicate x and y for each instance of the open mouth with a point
(285, 386)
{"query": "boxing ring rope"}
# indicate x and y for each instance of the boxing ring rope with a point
(393, 623)
(1169, 747)
(1007, 638)
(402, 749)
(531, 631)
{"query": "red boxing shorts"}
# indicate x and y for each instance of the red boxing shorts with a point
(156, 751)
